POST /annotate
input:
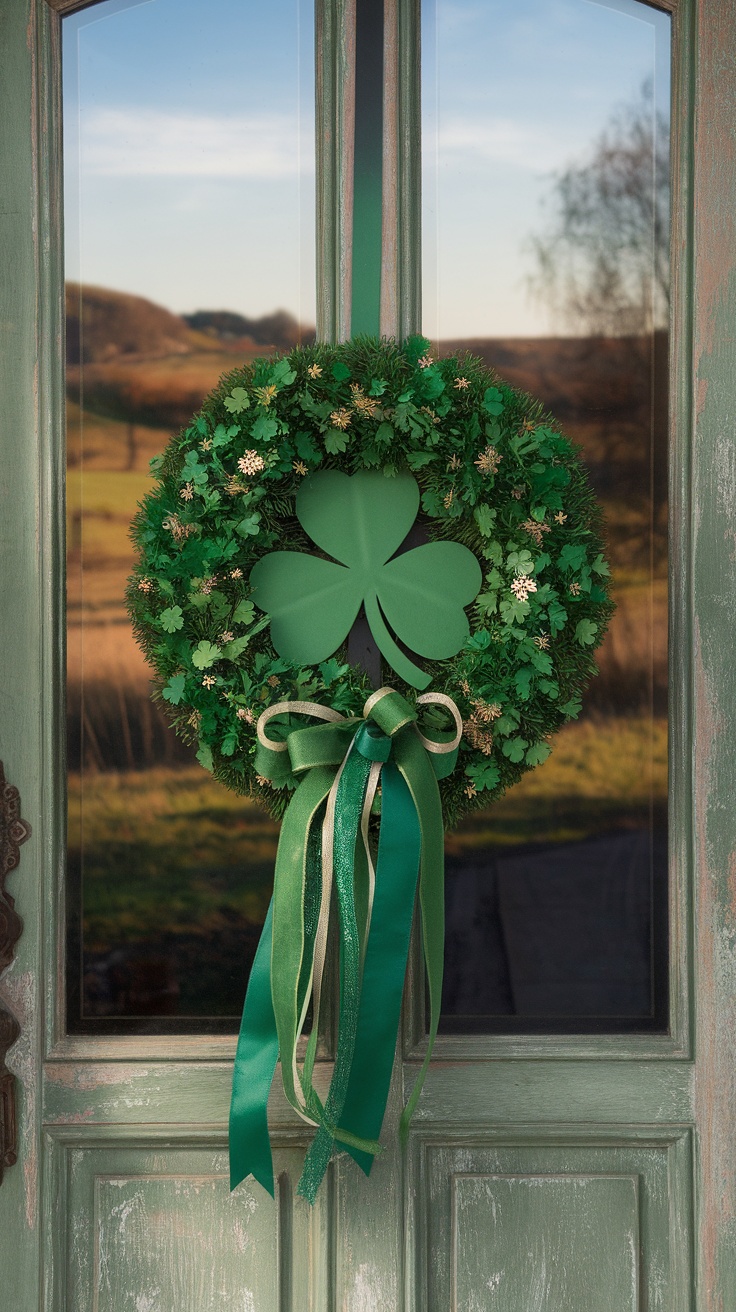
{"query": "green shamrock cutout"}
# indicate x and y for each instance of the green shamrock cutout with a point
(361, 522)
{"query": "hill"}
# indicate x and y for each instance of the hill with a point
(280, 329)
(104, 325)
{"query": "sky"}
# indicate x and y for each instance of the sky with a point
(189, 152)
(189, 146)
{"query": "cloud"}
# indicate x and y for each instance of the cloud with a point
(142, 143)
(466, 142)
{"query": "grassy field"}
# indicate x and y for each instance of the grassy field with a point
(173, 851)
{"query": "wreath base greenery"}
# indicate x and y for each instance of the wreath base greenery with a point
(495, 474)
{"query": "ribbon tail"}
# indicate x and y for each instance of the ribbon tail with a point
(348, 810)
(290, 950)
(385, 963)
(422, 782)
(255, 1063)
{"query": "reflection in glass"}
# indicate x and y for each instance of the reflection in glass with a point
(545, 233)
(189, 217)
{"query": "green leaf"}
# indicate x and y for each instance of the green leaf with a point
(585, 633)
(571, 558)
(479, 641)
(205, 654)
(487, 602)
(522, 680)
(237, 401)
(520, 562)
(572, 708)
(305, 448)
(223, 435)
(493, 401)
(557, 616)
(494, 553)
(485, 518)
(505, 724)
(415, 347)
(232, 650)
(244, 612)
(265, 427)
(378, 387)
(432, 384)
(600, 566)
(542, 661)
(384, 433)
(174, 690)
(332, 670)
(514, 611)
(282, 374)
(340, 371)
(537, 753)
(432, 503)
(360, 521)
(204, 756)
(484, 774)
(418, 459)
(249, 526)
(171, 619)
(335, 441)
(514, 748)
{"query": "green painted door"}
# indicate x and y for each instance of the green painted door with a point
(550, 1168)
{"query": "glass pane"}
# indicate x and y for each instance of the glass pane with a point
(189, 217)
(545, 212)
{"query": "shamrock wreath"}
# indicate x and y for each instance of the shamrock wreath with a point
(369, 479)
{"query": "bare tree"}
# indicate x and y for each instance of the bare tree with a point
(603, 264)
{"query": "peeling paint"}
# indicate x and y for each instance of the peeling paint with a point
(18, 993)
(85, 1078)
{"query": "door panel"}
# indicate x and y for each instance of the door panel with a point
(555, 1219)
(151, 1225)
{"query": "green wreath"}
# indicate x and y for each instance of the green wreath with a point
(259, 497)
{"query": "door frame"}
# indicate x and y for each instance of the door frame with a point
(698, 1057)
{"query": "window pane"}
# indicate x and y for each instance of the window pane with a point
(545, 213)
(189, 217)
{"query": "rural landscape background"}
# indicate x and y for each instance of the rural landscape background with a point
(171, 875)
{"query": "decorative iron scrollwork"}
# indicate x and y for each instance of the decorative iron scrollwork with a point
(13, 832)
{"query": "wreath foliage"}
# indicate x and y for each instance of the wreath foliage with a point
(495, 473)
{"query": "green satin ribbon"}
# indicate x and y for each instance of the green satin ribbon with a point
(334, 761)
(385, 962)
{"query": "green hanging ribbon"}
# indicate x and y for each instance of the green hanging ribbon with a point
(382, 989)
(340, 763)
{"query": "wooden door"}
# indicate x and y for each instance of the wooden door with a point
(559, 1172)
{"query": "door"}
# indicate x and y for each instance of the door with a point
(565, 1154)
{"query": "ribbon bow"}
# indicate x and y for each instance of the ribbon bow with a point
(324, 843)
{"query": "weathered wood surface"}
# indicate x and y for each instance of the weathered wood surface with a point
(151, 1114)
(714, 592)
(21, 120)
